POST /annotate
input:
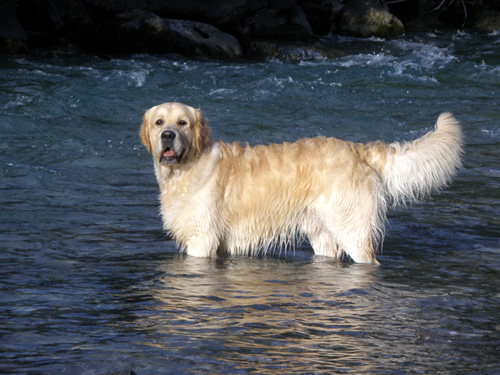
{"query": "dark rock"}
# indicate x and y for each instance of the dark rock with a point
(54, 23)
(13, 38)
(482, 15)
(365, 18)
(321, 14)
(61, 16)
(279, 19)
(97, 25)
(292, 51)
(222, 10)
(191, 38)
(229, 16)
(210, 27)
(221, 13)
(246, 19)
(487, 20)
(427, 18)
(145, 32)
(405, 10)
(53, 42)
(284, 23)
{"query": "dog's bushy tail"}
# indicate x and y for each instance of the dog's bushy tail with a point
(412, 170)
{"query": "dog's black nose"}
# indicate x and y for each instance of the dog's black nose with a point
(167, 135)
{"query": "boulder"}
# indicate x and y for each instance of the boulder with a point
(406, 10)
(253, 18)
(487, 20)
(191, 38)
(286, 22)
(145, 32)
(65, 18)
(45, 23)
(216, 12)
(365, 18)
(223, 14)
(321, 14)
(116, 26)
(428, 17)
(427, 22)
(293, 51)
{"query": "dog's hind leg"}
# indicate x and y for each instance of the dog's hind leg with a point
(357, 230)
(321, 239)
(324, 244)
(332, 242)
(354, 225)
(359, 247)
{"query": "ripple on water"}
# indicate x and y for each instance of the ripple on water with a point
(89, 283)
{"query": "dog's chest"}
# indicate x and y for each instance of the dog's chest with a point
(183, 204)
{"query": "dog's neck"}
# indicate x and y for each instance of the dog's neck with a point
(188, 176)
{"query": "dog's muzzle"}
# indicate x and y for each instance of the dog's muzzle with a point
(170, 154)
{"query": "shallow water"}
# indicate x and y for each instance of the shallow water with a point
(90, 284)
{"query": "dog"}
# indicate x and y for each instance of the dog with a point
(219, 198)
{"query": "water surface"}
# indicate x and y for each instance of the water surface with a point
(89, 283)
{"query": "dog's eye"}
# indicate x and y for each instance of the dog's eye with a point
(182, 122)
(159, 121)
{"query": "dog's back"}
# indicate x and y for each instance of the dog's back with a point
(334, 192)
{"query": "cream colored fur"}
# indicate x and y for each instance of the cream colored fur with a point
(219, 198)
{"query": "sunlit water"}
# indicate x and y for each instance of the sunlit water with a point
(89, 283)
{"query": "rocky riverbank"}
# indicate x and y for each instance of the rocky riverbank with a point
(222, 28)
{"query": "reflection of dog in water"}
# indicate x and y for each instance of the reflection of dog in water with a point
(221, 198)
(190, 282)
(253, 310)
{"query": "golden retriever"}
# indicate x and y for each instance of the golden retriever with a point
(219, 198)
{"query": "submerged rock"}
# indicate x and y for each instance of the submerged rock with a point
(292, 51)
(365, 18)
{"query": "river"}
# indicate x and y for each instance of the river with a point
(90, 284)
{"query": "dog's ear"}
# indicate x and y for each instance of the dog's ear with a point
(201, 133)
(144, 132)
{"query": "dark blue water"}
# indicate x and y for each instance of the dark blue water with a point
(89, 283)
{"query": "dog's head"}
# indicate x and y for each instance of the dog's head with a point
(174, 133)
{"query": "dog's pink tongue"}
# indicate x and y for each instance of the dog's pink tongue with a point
(169, 153)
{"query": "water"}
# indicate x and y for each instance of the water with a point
(89, 284)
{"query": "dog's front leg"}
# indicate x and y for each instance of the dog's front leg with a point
(202, 245)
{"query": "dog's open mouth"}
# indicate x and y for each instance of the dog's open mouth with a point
(169, 156)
